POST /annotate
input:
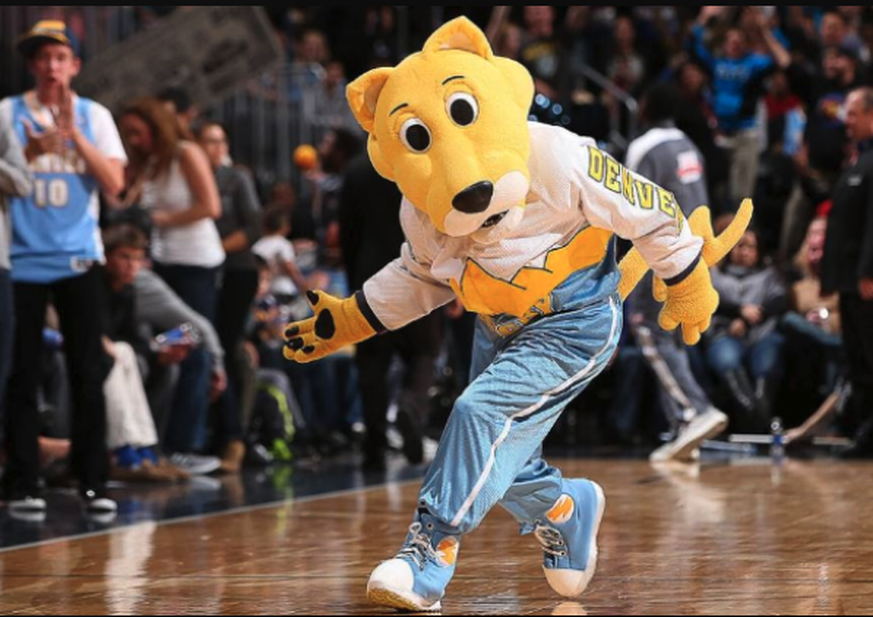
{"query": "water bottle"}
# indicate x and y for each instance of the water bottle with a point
(777, 443)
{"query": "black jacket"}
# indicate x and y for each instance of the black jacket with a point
(119, 317)
(369, 218)
(849, 247)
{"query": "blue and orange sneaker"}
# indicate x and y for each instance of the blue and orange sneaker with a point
(568, 534)
(416, 579)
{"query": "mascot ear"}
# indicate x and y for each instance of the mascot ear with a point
(363, 94)
(461, 34)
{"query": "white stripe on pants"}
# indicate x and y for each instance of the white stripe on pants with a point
(129, 418)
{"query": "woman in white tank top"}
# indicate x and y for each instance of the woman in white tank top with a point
(173, 181)
(176, 241)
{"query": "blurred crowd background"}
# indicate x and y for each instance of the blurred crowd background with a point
(762, 92)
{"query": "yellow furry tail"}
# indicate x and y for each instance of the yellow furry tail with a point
(633, 267)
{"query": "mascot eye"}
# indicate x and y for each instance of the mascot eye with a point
(415, 136)
(463, 108)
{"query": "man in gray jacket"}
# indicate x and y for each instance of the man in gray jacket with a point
(15, 180)
(667, 156)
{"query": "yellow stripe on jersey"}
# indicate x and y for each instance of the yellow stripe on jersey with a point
(525, 296)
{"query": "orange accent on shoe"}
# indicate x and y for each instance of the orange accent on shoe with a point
(562, 511)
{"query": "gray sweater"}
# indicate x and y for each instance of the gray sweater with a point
(738, 287)
(160, 307)
(667, 157)
(240, 211)
(15, 180)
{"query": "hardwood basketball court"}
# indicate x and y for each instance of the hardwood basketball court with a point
(733, 538)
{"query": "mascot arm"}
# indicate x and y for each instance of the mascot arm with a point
(636, 209)
(336, 323)
(399, 294)
(632, 207)
(405, 291)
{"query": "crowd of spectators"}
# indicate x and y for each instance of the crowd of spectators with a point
(164, 344)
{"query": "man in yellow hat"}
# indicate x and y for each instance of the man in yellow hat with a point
(74, 151)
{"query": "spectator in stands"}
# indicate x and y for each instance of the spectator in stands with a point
(371, 238)
(834, 30)
(336, 151)
(816, 308)
(826, 144)
(178, 103)
(313, 48)
(172, 179)
(268, 326)
(696, 118)
(508, 40)
(277, 252)
(284, 194)
(813, 30)
(667, 157)
(812, 328)
(132, 434)
(73, 147)
(745, 347)
(16, 180)
(159, 308)
(313, 52)
(239, 227)
(853, 17)
(737, 88)
(626, 68)
(543, 52)
(141, 308)
(327, 107)
(848, 262)
(281, 286)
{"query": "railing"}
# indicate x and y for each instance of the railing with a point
(273, 114)
(98, 27)
(622, 130)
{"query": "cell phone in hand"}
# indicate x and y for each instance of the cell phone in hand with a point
(185, 334)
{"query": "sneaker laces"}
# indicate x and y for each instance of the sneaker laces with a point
(419, 548)
(552, 541)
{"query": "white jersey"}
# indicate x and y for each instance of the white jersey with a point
(579, 198)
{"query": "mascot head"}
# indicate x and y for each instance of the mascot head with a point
(449, 126)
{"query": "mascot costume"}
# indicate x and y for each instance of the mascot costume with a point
(517, 220)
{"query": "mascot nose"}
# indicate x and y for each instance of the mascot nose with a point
(474, 199)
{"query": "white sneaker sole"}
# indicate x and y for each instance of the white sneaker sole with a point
(380, 595)
(709, 425)
(591, 567)
(32, 506)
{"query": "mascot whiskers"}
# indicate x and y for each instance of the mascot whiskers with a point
(517, 220)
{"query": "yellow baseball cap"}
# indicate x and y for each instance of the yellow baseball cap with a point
(46, 31)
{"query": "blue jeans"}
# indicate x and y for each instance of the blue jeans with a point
(7, 331)
(318, 391)
(491, 449)
(626, 404)
(187, 425)
(763, 359)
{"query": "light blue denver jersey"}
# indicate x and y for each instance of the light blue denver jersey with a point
(55, 232)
